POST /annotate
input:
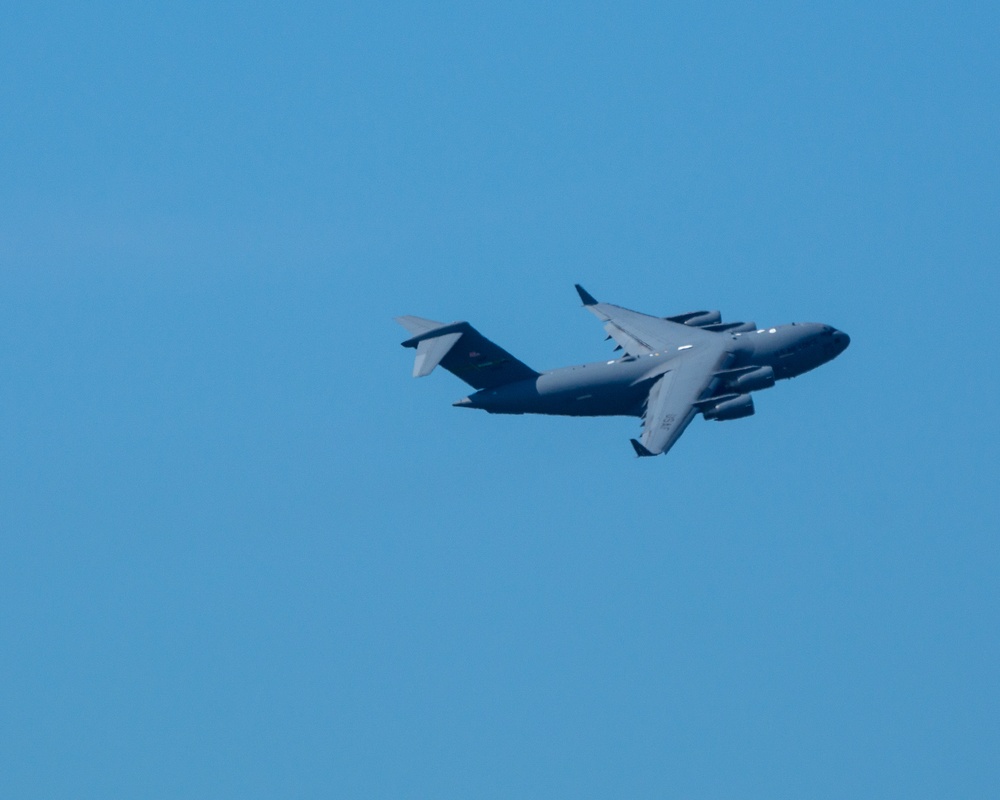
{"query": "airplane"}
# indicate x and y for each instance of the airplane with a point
(672, 368)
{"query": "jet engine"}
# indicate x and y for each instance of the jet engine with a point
(753, 381)
(697, 319)
(734, 408)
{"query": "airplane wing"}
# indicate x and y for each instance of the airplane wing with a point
(639, 334)
(671, 404)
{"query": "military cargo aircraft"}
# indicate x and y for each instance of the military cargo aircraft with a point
(671, 370)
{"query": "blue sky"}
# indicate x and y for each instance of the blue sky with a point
(244, 554)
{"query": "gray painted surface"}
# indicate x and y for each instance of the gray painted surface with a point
(672, 369)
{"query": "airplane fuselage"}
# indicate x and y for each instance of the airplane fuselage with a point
(619, 387)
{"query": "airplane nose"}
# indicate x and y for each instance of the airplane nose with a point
(842, 340)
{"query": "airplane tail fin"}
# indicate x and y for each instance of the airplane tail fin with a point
(464, 352)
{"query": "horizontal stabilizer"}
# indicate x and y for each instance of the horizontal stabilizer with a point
(418, 325)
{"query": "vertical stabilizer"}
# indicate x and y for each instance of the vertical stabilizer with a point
(431, 351)
(464, 352)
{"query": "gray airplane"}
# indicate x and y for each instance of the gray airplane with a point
(673, 368)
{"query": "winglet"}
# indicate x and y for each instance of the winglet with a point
(640, 451)
(588, 299)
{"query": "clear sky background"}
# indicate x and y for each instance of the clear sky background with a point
(244, 554)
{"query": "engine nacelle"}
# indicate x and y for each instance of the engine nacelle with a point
(730, 327)
(760, 378)
(697, 318)
(734, 408)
